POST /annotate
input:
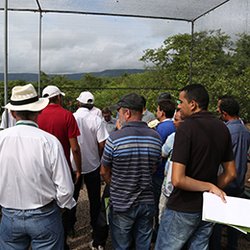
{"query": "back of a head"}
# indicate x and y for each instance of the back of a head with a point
(198, 93)
(229, 105)
(168, 107)
(131, 101)
(86, 99)
(106, 110)
(164, 96)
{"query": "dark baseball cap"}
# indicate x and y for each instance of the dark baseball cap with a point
(131, 101)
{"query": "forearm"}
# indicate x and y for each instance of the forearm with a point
(228, 175)
(190, 184)
(77, 160)
(105, 172)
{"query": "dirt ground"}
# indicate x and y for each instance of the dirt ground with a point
(83, 230)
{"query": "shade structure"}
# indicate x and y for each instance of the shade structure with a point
(182, 10)
(187, 10)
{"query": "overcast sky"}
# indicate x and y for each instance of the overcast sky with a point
(77, 43)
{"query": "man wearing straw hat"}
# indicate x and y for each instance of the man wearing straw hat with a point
(35, 180)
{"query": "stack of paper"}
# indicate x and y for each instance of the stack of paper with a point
(235, 212)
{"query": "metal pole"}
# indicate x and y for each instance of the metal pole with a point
(40, 54)
(191, 53)
(6, 60)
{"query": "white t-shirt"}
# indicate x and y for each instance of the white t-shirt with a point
(33, 169)
(11, 120)
(92, 131)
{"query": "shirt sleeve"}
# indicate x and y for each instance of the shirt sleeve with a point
(168, 146)
(102, 133)
(107, 156)
(181, 148)
(73, 130)
(62, 178)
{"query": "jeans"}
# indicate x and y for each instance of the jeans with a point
(132, 227)
(178, 228)
(41, 228)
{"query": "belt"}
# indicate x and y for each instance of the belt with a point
(48, 206)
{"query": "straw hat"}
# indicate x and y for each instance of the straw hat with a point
(25, 98)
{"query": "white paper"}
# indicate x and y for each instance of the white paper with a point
(236, 211)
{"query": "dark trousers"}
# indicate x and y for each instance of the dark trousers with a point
(231, 233)
(92, 181)
(157, 184)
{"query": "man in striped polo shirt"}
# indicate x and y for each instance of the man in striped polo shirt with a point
(130, 157)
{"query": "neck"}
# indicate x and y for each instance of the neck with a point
(232, 118)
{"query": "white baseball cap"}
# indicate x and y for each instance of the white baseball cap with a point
(86, 98)
(51, 91)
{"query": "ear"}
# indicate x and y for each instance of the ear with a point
(13, 113)
(193, 105)
(128, 114)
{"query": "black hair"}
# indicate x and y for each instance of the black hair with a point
(87, 105)
(198, 93)
(106, 110)
(26, 115)
(168, 107)
(229, 105)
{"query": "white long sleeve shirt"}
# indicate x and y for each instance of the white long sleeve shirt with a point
(33, 169)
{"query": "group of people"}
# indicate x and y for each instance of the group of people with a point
(155, 168)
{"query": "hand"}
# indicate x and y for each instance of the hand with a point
(215, 190)
(77, 176)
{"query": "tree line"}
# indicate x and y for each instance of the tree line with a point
(219, 62)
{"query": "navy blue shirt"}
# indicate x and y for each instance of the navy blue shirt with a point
(132, 153)
(241, 141)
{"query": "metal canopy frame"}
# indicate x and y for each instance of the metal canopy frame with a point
(39, 9)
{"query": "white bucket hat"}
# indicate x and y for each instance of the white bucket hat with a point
(25, 98)
(86, 98)
(51, 91)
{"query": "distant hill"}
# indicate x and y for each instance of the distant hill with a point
(30, 77)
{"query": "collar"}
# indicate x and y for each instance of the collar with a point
(135, 124)
(27, 123)
(82, 109)
(167, 119)
(236, 121)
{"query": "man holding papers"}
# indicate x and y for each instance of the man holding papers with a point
(202, 143)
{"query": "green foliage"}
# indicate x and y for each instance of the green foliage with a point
(219, 63)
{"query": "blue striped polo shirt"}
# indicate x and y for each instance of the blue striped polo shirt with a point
(132, 153)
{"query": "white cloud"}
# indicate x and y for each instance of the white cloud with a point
(84, 43)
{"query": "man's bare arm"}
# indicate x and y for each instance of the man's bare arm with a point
(76, 156)
(180, 180)
(101, 147)
(228, 175)
(106, 174)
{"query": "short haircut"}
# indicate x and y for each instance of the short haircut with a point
(106, 110)
(26, 115)
(53, 99)
(198, 93)
(168, 107)
(86, 105)
(229, 105)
